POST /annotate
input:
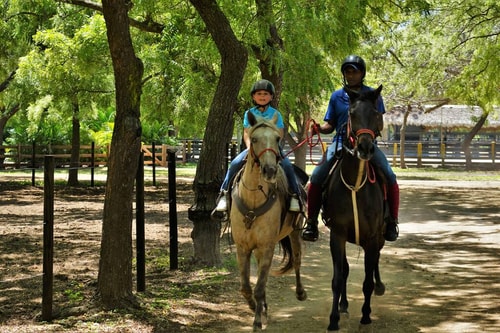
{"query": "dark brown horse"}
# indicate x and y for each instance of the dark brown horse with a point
(354, 205)
(260, 218)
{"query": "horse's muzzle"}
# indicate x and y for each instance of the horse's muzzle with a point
(269, 172)
(365, 149)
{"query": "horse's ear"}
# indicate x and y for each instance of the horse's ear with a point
(252, 120)
(353, 95)
(380, 122)
(275, 118)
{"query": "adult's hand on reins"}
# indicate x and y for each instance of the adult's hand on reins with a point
(314, 127)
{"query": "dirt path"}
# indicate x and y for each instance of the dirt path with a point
(442, 275)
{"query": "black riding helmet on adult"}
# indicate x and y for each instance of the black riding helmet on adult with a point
(353, 71)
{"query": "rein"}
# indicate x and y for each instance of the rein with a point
(311, 142)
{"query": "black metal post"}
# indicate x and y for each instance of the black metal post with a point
(172, 200)
(48, 238)
(140, 229)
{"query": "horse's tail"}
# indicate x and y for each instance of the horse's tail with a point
(286, 245)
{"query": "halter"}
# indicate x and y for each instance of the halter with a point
(256, 157)
(354, 137)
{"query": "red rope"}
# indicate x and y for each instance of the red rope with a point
(312, 142)
(371, 175)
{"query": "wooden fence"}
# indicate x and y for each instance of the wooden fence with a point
(31, 156)
(418, 154)
(421, 154)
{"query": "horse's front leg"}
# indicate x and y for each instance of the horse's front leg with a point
(264, 260)
(337, 250)
(344, 304)
(244, 268)
(295, 238)
(371, 259)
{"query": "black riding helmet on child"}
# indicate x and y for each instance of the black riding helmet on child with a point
(262, 85)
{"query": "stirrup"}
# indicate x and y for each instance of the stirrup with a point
(222, 204)
(391, 234)
(294, 205)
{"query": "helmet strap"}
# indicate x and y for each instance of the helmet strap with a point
(352, 87)
(262, 107)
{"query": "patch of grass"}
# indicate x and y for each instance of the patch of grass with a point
(442, 174)
(75, 292)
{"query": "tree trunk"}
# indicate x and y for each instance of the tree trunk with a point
(468, 140)
(5, 116)
(219, 129)
(75, 146)
(115, 266)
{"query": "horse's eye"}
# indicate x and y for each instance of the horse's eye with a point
(254, 140)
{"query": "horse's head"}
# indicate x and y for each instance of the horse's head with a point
(264, 146)
(365, 122)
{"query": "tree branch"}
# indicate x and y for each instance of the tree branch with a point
(6, 82)
(148, 25)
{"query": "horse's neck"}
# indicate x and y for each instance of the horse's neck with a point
(251, 177)
(353, 169)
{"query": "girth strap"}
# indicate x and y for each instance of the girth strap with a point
(251, 214)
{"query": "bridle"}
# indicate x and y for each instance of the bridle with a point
(256, 157)
(353, 137)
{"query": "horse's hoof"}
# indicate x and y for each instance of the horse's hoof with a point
(252, 306)
(302, 296)
(332, 328)
(257, 327)
(365, 328)
(379, 289)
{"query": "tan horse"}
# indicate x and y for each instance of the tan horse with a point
(260, 217)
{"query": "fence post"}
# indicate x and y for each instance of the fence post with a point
(163, 155)
(48, 238)
(33, 163)
(419, 155)
(443, 153)
(493, 151)
(394, 154)
(172, 210)
(233, 150)
(18, 159)
(139, 225)
(227, 157)
(153, 153)
(92, 163)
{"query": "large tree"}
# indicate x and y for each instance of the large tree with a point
(115, 266)
(219, 130)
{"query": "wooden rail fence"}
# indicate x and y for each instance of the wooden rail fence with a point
(418, 154)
